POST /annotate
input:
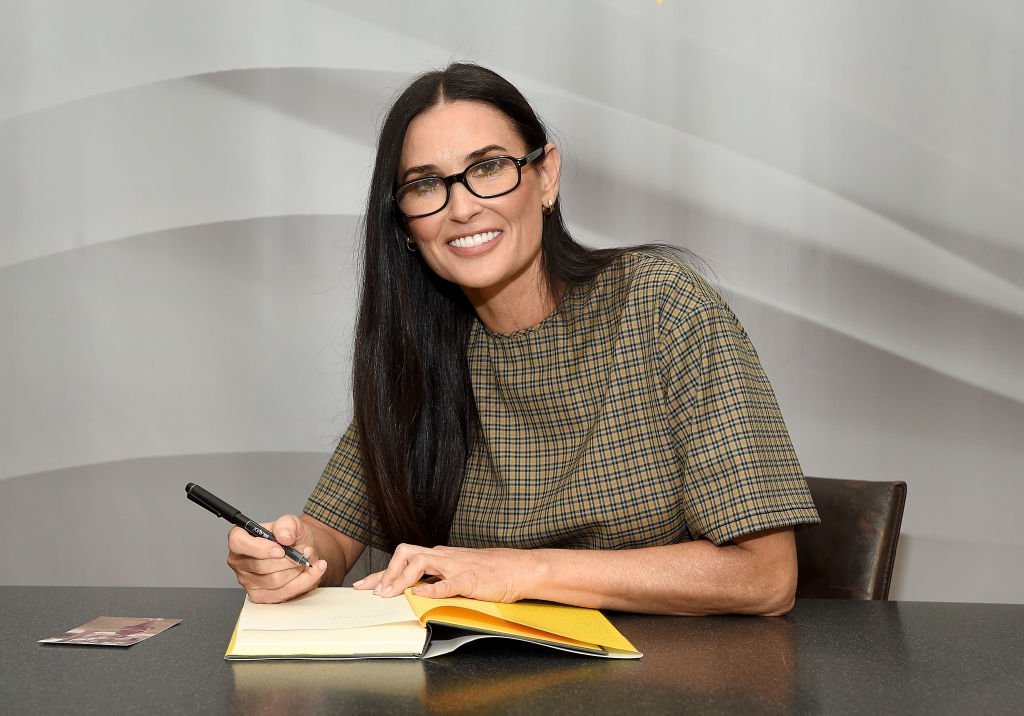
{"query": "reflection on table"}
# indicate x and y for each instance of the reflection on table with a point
(826, 656)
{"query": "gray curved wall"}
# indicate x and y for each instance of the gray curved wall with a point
(181, 183)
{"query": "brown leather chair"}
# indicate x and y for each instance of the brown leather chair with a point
(850, 554)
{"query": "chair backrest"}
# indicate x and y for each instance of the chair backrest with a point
(850, 554)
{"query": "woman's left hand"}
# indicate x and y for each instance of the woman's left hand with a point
(494, 575)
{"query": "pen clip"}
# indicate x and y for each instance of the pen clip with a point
(210, 501)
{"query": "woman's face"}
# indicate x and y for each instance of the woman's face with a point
(444, 140)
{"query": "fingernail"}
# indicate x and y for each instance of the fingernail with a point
(285, 534)
(387, 590)
(277, 552)
(321, 565)
(358, 583)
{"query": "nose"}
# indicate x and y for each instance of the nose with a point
(462, 204)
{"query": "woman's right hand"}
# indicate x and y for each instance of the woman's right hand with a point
(261, 567)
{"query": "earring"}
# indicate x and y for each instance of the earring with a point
(548, 208)
(410, 245)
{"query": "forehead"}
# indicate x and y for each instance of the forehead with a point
(444, 134)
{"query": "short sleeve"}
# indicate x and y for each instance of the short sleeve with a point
(341, 498)
(740, 472)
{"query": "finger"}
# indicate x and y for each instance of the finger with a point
(264, 566)
(303, 583)
(441, 589)
(370, 581)
(399, 561)
(275, 580)
(416, 566)
(242, 543)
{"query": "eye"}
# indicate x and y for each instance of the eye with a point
(488, 169)
(427, 187)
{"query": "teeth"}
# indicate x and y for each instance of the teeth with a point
(475, 240)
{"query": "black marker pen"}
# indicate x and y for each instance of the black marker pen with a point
(222, 509)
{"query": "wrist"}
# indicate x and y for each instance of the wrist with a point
(536, 571)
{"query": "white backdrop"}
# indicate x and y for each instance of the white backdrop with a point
(180, 186)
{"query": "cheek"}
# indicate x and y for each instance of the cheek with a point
(425, 232)
(422, 229)
(529, 219)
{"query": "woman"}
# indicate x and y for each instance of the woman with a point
(587, 427)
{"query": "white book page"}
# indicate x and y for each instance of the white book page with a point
(326, 608)
(440, 647)
(399, 639)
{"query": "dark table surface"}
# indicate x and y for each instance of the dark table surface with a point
(824, 657)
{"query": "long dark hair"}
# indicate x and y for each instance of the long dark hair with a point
(414, 404)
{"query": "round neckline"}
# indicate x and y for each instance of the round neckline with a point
(535, 328)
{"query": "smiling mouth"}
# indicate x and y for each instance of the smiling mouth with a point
(464, 242)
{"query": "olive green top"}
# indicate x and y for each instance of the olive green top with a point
(635, 415)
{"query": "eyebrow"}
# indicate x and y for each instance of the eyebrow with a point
(470, 158)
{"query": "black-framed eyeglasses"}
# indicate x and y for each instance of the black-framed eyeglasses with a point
(487, 178)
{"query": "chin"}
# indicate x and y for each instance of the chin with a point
(479, 276)
(476, 281)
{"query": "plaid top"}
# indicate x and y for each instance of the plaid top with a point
(635, 415)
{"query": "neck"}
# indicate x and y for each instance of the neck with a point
(521, 303)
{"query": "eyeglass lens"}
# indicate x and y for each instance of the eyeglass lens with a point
(487, 178)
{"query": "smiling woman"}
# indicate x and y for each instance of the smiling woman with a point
(482, 226)
(533, 418)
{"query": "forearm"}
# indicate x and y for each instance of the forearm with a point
(688, 578)
(330, 549)
(754, 575)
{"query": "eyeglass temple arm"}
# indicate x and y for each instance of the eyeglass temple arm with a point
(535, 154)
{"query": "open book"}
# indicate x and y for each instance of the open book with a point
(345, 623)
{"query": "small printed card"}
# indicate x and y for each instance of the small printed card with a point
(113, 631)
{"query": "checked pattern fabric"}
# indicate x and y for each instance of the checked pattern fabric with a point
(636, 415)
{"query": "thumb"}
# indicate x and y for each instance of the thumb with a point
(286, 529)
(441, 589)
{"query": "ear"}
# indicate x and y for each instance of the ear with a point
(549, 169)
